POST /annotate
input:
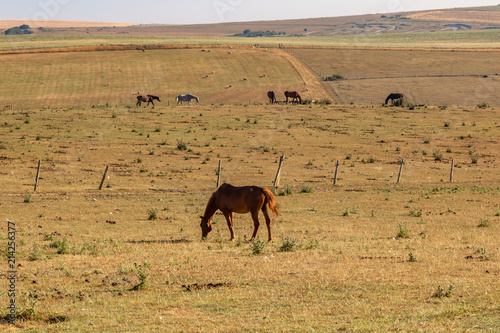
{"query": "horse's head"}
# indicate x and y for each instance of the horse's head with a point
(206, 226)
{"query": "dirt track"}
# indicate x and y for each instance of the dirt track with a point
(313, 87)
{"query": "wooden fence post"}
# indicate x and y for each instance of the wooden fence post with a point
(104, 177)
(218, 173)
(278, 174)
(400, 169)
(336, 170)
(37, 175)
(451, 172)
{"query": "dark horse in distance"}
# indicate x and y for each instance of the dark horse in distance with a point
(272, 97)
(394, 97)
(241, 200)
(148, 98)
(294, 96)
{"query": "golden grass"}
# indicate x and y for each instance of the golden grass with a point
(425, 77)
(351, 272)
(490, 17)
(34, 24)
(477, 39)
(91, 78)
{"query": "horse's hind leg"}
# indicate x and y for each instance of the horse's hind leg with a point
(268, 220)
(256, 223)
(229, 219)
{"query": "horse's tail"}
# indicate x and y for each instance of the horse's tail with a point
(270, 202)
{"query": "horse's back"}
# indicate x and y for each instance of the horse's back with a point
(240, 199)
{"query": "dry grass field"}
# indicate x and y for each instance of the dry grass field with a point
(479, 16)
(368, 254)
(365, 255)
(34, 24)
(115, 77)
(425, 77)
(436, 39)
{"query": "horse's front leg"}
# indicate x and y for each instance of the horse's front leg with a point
(229, 219)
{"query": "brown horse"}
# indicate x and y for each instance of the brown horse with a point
(393, 97)
(241, 200)
(148, 98)
(272, 97)
(294, 96)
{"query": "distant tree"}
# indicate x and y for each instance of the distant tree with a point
(24, 26)
(305, 29)
(18, 31)
(247, 31)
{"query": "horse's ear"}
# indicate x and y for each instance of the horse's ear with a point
(201, 217)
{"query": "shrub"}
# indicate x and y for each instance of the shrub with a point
(324, 101)
(286, 191)
(62, 247)
(288, 244)
(257, 246)
(181, 145)
(437, 155)
(306, 189)
(143, 273)
(37, 253)
(369, 160)
(484, 223)
(153, 213)
(334, 77)
(440, 293)
(412, 258)
(403, 231)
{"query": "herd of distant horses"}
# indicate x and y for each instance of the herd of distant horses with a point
(295, 97)
(292, 95)
(180, 99)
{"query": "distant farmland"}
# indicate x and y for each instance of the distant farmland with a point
(426, 77)
(476, 39)
(76, 78)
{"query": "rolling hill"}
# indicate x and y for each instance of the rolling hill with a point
(476, 18)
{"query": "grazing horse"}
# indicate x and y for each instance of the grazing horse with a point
(148, 98)
(294, 96)
(393, 97)
(241, 200)
(272, 97)
(186, 98)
